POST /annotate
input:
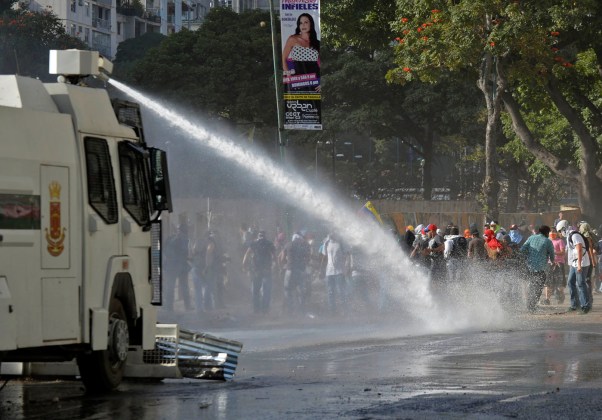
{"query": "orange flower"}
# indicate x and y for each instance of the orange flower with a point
(558, 58)
(424, 25)
(555, 33)
(435, 11)
(398, 39)
(407, 69)
(492, 44)
(567, 64)
(401, 41)
(406, 31)
(425, 38)
(419, 29)
(404, 20)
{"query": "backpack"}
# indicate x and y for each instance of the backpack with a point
(582, 237)
(459, 247)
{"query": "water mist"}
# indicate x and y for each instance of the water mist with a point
(407, 287)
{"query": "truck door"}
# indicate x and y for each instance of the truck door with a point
(102, 234)
(136, 213)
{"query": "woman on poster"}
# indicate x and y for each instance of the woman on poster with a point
(301, 55)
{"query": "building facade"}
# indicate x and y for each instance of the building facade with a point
(103, 24)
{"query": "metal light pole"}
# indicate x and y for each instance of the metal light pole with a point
(277, 80)
(318, 143)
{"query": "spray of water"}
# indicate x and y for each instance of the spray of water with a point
(407, 287)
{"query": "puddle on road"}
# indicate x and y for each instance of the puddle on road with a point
(341, 375)
(478, 359)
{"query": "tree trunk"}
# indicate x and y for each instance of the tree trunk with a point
(491, 85)
(588, 181)
(586, 178)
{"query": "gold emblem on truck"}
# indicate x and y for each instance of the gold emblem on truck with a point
(55, 236)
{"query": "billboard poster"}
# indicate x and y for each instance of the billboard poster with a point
(300, 28)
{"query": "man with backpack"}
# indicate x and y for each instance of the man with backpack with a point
(579, 263)
(590, 239)
(455, 253)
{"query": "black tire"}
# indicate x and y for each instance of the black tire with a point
(101, 371)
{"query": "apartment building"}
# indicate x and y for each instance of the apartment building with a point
(243, 5)
(103, 24)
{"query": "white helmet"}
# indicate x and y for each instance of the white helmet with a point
(562, 227)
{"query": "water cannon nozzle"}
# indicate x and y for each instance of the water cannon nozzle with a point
(104, 65)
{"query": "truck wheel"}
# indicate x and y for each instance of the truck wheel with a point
(102, 371)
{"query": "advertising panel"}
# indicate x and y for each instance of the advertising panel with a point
(300, 28)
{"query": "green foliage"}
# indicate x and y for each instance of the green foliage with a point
(360, 24)
(26, 39)
(224, 70)
(532, 42)
(131, 51)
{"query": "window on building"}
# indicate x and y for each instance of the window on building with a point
(118, 28)
(73, 6)
(87, 35)
(87, 7)
(73, 29)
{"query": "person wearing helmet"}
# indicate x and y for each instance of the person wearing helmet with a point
(578, 260)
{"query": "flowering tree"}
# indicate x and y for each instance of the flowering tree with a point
(26, 38)
(531, 59)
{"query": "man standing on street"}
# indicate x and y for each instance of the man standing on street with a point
(539, 250)
(578, 260)
(258, 260)
(337, 262)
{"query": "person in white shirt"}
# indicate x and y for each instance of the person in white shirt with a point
(579, 263)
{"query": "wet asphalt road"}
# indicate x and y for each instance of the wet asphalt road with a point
(543, 366)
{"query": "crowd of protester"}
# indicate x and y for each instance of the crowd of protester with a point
(540, 265)
(544, 261)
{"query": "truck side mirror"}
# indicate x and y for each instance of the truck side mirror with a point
(160, 188)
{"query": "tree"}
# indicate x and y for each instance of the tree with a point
(512, 47)
(26, 39)
(131, 51)
(224, 70)
(357, 95)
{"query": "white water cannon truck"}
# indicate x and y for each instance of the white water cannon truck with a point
(80, 236)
